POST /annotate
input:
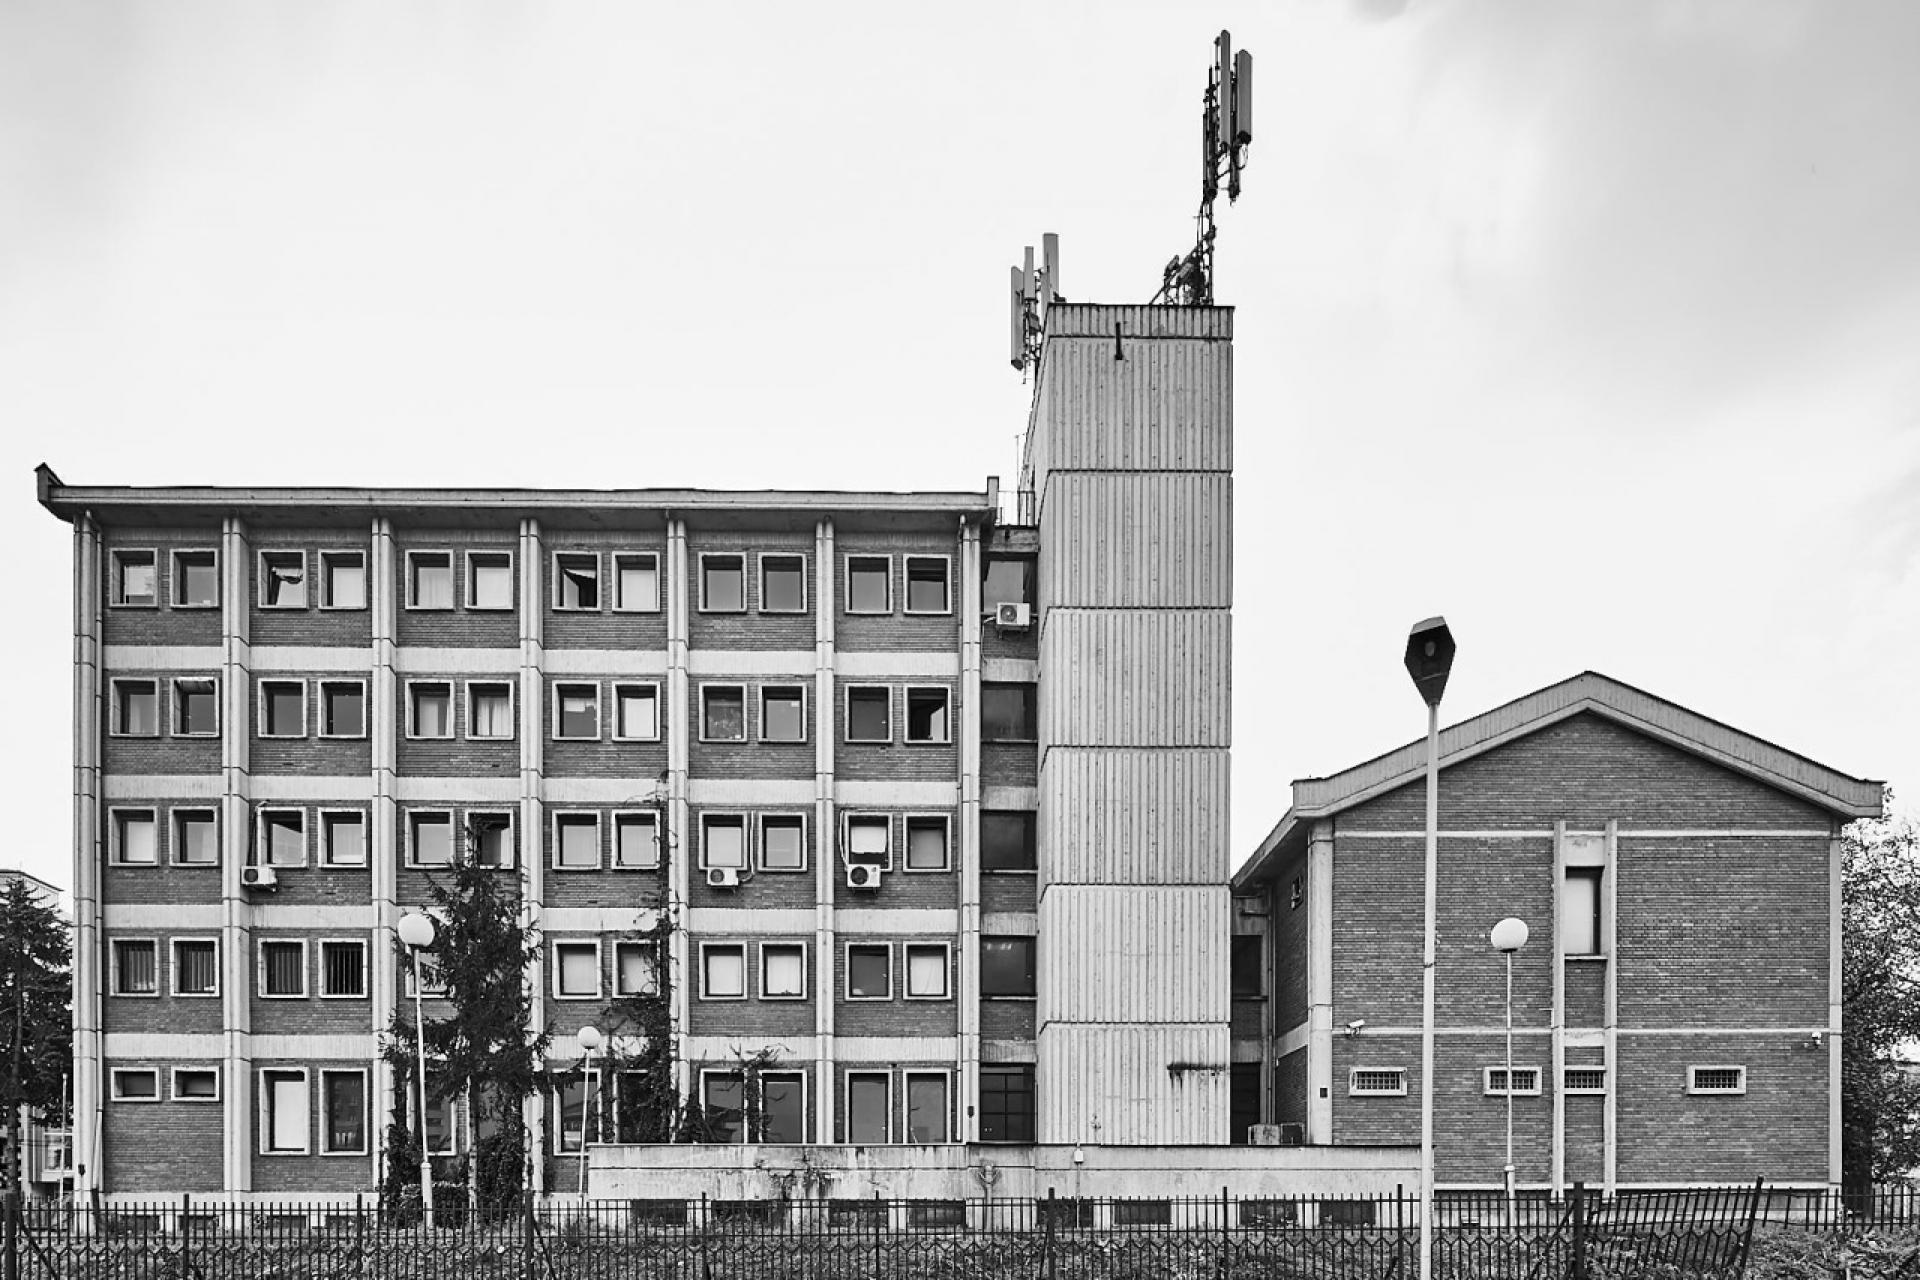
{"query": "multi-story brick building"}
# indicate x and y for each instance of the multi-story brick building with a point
(1677, 1008)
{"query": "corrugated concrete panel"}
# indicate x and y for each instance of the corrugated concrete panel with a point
(1145, 678)
(1131, 954)
(1134, 816)
(1166, 406)
(1140, 1085)
(1096, 319)
(1117, 539)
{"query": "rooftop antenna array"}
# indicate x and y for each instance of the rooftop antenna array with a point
(1033, 290)
(1226, 129)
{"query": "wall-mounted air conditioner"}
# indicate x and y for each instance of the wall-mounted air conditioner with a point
(723, 877)
(863, 875)
(1013, 616)
(259, 878)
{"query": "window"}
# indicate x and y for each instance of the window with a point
(136, 840)
(196, 707)
(636, 583)
(1006, 1103)
(283, 838)
(636, 712)
(783, 971)
(283, 579)
(490, 836)
(1006, 966)
(927, 970)
(343, 709)
(1526, 1082)
(1580, 912)
(283, 1111)
(1007, 840)
(869, 584)
(783, 584)
(576, 841)
(136, 1084)
(283, 969)
(1243, 1102)
(196, 838)
(430, 839)
(1247, 967)
(576, 970)
(1386, 1082)
(723, 1096)
(343, 1113)
(870, 714)
(442, 1137)
(576, 580)
(343, 580)
(783, 1115)
(723, 841)
(928, 1113)
(343, 839)
(927, 578)
(1007, 713)
(870, 840)
(196, 580)
(430, 982)
(1009, 581)
(927, 719)
(136, 708)
(196, 967)
(196, 1084)
(636, 841)
(869, 1108)
(723, 713)
(723, 584)
(1716, 1079)
(576, 711)
(783, 713)
(636, 969)
(283, 708)
(489, 580)
(135, 580)
(927, 843)
(869, 971)
(489, 709)
(134, 967)
(783, 842)
(429, 580)
(570, 1100)
(1584, 1080)
(429, 709)
(343, 969)
(723, 971)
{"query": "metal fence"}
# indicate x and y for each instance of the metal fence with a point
(1703, 1233)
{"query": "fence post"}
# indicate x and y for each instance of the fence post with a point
(526, 1233)
(1399, 1229)
(12, 1212)
(1226, 1236)
(880, 1221)
(1746, 1237)
(1579, 1268)
(1046, 1246)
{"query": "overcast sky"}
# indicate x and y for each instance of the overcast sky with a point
(1595, 327)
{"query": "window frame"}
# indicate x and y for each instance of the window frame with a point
(327, 819)
(475, 558)
(782, 946)
(619, 706)
(1033, 945)
(573, 818)
(945, 948)
(1030, 579)
(263, 843)
(176, 842)
(946, 585)
(1566, 1073)
(1031, 841)
(118, 558)
(559, 970)
(987, 686)
(413, 687)
(262, 559)
(701, 581)
(946, 706)
(1028, 1120)
(334, 557)
(651, 818)
(923, 820)
(116, 985)
(1695, 1089)
(263, 727)
(722, 686)
(175, 577)
(886, 949)
(727, 817)
(116, 1094)
(847, 692)
(798, 1076)
(173, 1084)
(578, 557)
(1523, 1072)
(865, 817)
(366, 973)
(559, 688)
(117, 818)
(782, 816)
(1355, 1091)
(366, 1112)
(260, 946)
(411, 821)
(471, 690)
(805, 726)
(1597, 874)
(885, 1076)
(116, 713)
(321, 709)
(945, 1076)
(760, 581)
(173, 966)
(619, 595)
(847, 576)
(263, 1120)
(502, 818)
(707, 948)
(410, 589)
(624, 945)
(175, 715)
(1257, 944)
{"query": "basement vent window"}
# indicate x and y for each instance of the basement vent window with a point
(1526, 1082)
(1382, 1082)
(1716, 1079)
(1584, 1080)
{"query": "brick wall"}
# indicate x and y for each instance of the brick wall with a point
(162, 624)
(1290, 1089)
(1290, 936)
(164, 1144)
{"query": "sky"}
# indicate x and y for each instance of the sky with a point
(1592, 326)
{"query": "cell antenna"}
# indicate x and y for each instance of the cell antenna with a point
(1034, 288)
(1226, 129)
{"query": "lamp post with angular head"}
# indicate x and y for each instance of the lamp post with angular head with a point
(1508, 937)
(589, 1038)
(416, 934)
(1429, 659)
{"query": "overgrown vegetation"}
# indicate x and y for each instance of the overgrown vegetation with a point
(1880, 1103)
(37, 1043)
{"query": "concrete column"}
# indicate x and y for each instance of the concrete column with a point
(1610, 944)
(967, 719)
(825, 832)
(383, 733)
(531, 821)
(1835, 1001)
(88, 1113)
(236, 831)
(679, 732)
(1319, 981)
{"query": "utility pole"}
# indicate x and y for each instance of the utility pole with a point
(15, 1156)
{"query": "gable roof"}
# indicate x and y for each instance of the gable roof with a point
(1589, 692)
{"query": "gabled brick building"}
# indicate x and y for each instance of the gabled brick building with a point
(1677, 1008)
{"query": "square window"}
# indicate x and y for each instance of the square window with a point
(1007, 840)
(1006, 966)
(927, 844)
(928, 1112)
(429, 580)
(430, 839)
(869, 584)
(783, 584)
(283, 709)
(429, 709)
(723, 971)
(135, 580)
(283, 969)
(343, 839)
(576, 839)
(196, 580)
(870, 714)
(636, 841)
(723, 713)
(135, 967)
(1386, 1082)
(343, 709)
(284, 1107)
(1007, 1103)
(1580, 912)
(927, 579)
(576, 580)
(491, 838)
(136, 708)
(869, 1108)
(136, 1084)
(136, 838)
(489, 709)
(869, 971)
(196, 707)
(870, 840)
(723, 841)
(636, 969)
(1008, 713)
(1009, 581)
(196, 967)
(927, 971)
(723, 584)
(196, 1084)
(343, 580)
(576, 967)
(783, 971)
(783, 842)
(343, 969)
(196, 838)
(283, 579)
(927, 719)
(283, 838)
(783, 713)
(636, 712)
(636, 583)
(343, 1113)
(576, 712)
(1526, 1082)
(489, 580)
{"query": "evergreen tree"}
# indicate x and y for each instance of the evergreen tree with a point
(35, 1009)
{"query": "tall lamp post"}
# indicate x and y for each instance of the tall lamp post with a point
(1430, 650)
(416, 934)
(589, 1038)
(1508, 937)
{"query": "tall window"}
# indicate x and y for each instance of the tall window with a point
(343, 1102)
(928, 1113)
(1248, 976)
(869, 1108)
(723, 1095)
(1580, 912)
(870, 714)
(283, 579)
(783, 1116)
(1006, 1103)
(1243, 1102)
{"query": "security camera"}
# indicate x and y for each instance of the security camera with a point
(1355, 1027)
(1818, 1036)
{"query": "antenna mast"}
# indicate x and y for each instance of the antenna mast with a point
(1033, 290)
(1226, 128)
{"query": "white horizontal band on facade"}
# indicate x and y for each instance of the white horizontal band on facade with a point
(1372, 1032)
(1584, 1039)
(717, 1051)
(364, 1047)
(310, 657)
(751, 792)
(161, 657)
(617, 791)
(1010, 797)
(456, 790)
(127, 1046)
(177, 917)
(411, 660)
(1292, 1041)
(883, 665)
(1624, 833)
(145, 1046)
(274, 915)
(1015, 922)
(882, 794)
(311, 786)
(596, 919)
(852, 1049)
(1009, 1051)
(1345, 833)
(794, 663)
(1010, 670)
(605, 662)
(897, 920)
(168, 786)
(715, 922)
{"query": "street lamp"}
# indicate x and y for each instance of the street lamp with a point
(1429, 659)
(1508, 937)
(416, 934)
(589, 1038)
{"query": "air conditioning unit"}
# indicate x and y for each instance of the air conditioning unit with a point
(1277, 1135)
(723, 877)
(259, 878)
(1013, 617)
(863, 875)
(1292, 1135)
